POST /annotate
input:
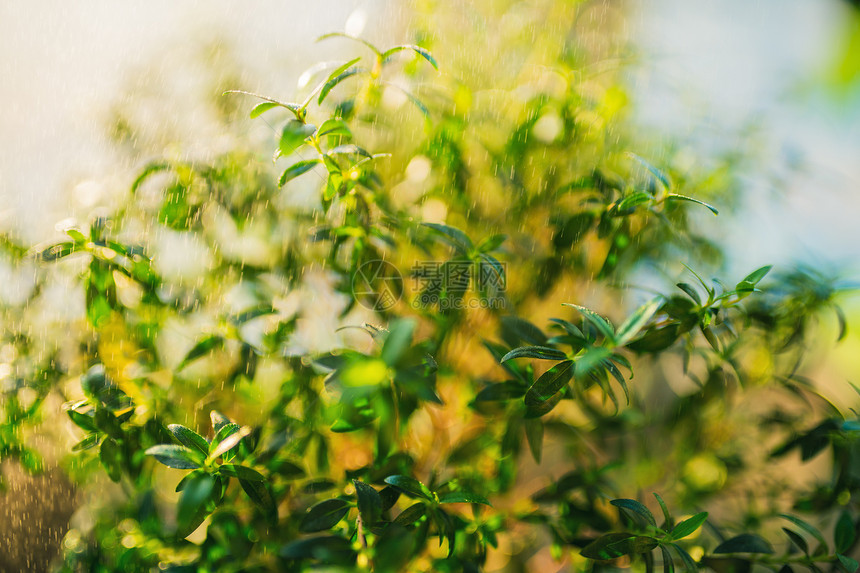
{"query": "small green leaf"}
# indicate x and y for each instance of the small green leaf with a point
(539, 352)
(417, 49)
(689, 564)
(456, 237)
(691, 292)
(744, 543)
(850, 565)
(178, 457)
(334, 126)
(534, 436)
(369, 502)
(259, 493)
(549, 383)
(398, 340)
(631, 327)
(797, 540)
(338, 76)
(262, 108)
(677, 197)
(755, 277)
(227, 438)
(688, 526)
(635, 507)
(845, 532)
(111, 457)
(602, 324)
(324, 515)
(203, 347)
(661, 176)
(463, 497)
(809, 529)
(189, 438)
(410, 486)
(668, 564)
(296, 169)
(218, 420)
(667, 517)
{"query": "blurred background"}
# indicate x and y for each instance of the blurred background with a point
(776, 81)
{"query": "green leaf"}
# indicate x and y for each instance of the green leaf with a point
(603, 325)
(689, 564)
(373, 48)
(262, 108)
(410, 515)
(491, 243)
(845, 532)
(417, 49)
(691, 292)
(296, 169)
(192, 507)
(218, 420)
(178, 457)
(614, 545)
(369, 502)
(534, 436)
(540, 352)
(755, 277)
(189, 438)
(463, 497)
(688, 526)
(203, 347)
(809, 529)
(631, 327)
(334, 126)
(635, 507)
(675, 196)
(259, 493)
(324, 515)
(456, 237)
(111, 457)
(661, 176)
(398, 340)
(549, 383)
(241, 472)
(293, 136)
(668, 564)
(850, 565)
(797, 540)
(410, 486)
(338, 76)
(667, 517)
(744, 543)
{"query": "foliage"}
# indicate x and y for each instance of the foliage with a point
(442, 433)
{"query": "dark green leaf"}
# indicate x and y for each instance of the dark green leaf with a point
(369, 502)
(689, 564)
(635, 507)
(410, 515)
(667, 517)
(614, 545)
(848, 564)
(797, 540)
(324, 515)
(189, 438)
(539, 352)
(203, 347)
(845, 532)
(549, 383)
(534, 436)
(603, 326)
(259, 493)
(808, 528)
(111, 457)
(744, 543)
(410, 486)
(691, 292)
(668, 564)
(192, 507)
(334, 81)
(241, 472)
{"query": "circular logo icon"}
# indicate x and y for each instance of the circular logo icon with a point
(377, 285)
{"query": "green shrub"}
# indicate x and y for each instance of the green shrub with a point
(415, 348)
